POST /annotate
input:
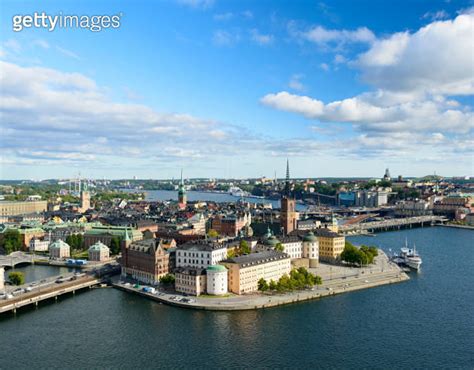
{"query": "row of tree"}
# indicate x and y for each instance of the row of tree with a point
(358, 256)
(298, 279)
(75, 241)
(243, 248)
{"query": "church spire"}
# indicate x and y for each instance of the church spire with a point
(287, 181)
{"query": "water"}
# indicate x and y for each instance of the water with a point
(193, 196)
(426, 322)
(39, 272)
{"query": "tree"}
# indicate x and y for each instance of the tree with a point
(244, 247)
(279, 247)
(272, 285)
(115, 245)
(11, 241)
(167, 279)
(17, 278)
(212, 233)
(263, 285)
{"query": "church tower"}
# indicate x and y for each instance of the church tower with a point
(85, 199)
(288, 214)
(182, 198)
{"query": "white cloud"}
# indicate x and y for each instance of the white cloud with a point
(225, 38)
(88, 126)
(324, 66)
(197, 4)
(435, 16)
(323, 36)
(67, 53)
(295, 82)
(260, 38)
(223, 16)
(437, 59)
(12, 45)
(41, 43)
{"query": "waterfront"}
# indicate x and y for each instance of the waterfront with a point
(153, 195)
(424, 323)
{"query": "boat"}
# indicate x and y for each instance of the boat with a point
(408, 257)
(237, 192)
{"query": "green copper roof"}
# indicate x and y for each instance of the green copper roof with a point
(310, 237)
(216, 268)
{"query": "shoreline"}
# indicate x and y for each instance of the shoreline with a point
(261, 301)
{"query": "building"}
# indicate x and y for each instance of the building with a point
(331, 244)
(412, 208)
(182, 197)
(2, 279)
(371, 199)
(38, 245)
(59, 250)
(85, 200)
(198, 223)
(245, 271)
(26, 234)
(145, 260)
(8, 208)
(200, 254)
(311, 249)
(288, 214)
(190, 281)
(386, 176)
(231, 225)
(470, 219)
(216, 280)
(105, 234)
(99, 252)
(449, 205)
(292, 246)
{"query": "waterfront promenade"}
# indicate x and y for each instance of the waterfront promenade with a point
(336, 280)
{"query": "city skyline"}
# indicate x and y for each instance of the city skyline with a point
(234, 89)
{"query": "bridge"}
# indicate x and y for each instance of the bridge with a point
(49, 291)
(393, 224)
(16, 258)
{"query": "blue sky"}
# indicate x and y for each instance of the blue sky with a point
(231, 89)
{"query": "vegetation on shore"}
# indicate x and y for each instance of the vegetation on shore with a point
(358, 256)
(16, 278)
(11, 241)
(297, 280)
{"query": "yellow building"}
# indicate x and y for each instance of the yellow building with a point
(245, 271)
(331, 244)
(22, 208)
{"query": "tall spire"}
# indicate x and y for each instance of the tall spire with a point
(287, 182)
(182, 176)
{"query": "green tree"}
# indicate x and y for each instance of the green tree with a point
(11, 241)
(167, 279)
(279, 247)
(115, 245)
(244, 247)
(17, 278)
(263, 285)
(272, 285)
(212, 233)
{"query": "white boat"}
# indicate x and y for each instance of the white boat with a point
(411, 258)
(237, 192)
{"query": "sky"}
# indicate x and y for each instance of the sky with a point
(234, 88)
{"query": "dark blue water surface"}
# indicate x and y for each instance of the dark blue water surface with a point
(424, 323)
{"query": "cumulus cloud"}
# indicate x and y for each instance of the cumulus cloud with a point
(413, 108)
(437, 59)
(225, 38)
(49, 116)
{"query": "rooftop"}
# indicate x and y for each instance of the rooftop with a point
(257, 258)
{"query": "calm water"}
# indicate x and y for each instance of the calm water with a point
(213, 197)
(38, 272)
(424, 323)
